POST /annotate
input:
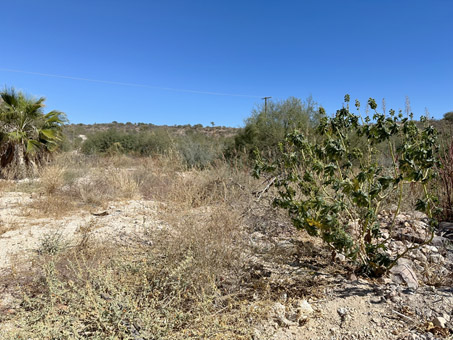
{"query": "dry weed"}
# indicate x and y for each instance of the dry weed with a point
(123, 182)
(52, 178)
(54, 206)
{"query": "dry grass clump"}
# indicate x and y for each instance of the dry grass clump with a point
(123, 182)
(45, 206)
(67, 185)
(52, 178)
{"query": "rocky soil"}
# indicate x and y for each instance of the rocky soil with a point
(320, 299)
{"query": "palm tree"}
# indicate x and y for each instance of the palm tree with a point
(27, 135)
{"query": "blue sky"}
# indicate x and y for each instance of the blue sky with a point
(367, 48)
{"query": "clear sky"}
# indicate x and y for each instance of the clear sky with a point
(139, 49)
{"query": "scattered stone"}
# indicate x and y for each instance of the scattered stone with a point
(279, 312)
(440, 322)
(340, 257)
(446, 227)
(101, 213)
(439, 241)
(353, 277)
(432, 249)
(420, 256)
(418, 215)
(342, 312)
(436, 258)
(403, 273)
(304, 309)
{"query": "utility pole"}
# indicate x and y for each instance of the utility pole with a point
(265, 104)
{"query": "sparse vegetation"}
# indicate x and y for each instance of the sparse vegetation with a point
(145, 232)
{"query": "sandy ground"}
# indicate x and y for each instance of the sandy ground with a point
(120, 221)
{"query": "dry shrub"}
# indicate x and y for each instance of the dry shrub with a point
(180, 282)
(5, 185)
(219, 184)
(11, 172)
(446, 184)
(50, 206)
(103, 186)
(123, 183)
(211, 238)
(52, 178)
(174, 289)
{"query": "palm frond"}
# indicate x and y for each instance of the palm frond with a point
(49, 134)
(55, 117)
(15, 135)
(10, 97)
(33, 146)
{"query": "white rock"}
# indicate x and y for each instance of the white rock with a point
(432, 249)
(342, 312)
(436, 258)
(440, 322)
(419, 215)
(304, 309)
(279, 311)
(340, 257)
(419, 225)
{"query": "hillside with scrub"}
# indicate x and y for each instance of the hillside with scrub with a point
(303, 224)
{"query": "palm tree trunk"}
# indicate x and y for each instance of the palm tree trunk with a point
(21, 168)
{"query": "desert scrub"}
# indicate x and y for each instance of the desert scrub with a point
(173, 289)
(333, 189)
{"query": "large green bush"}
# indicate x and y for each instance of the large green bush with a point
(268, 126)
(335, 190)
(139, 143)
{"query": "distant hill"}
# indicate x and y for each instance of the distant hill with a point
(74, 130)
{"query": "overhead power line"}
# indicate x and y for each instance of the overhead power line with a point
(212, 93)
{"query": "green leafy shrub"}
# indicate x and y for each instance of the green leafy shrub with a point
(197, 150)
(268, 126)
(335, 190)
(449, 116)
